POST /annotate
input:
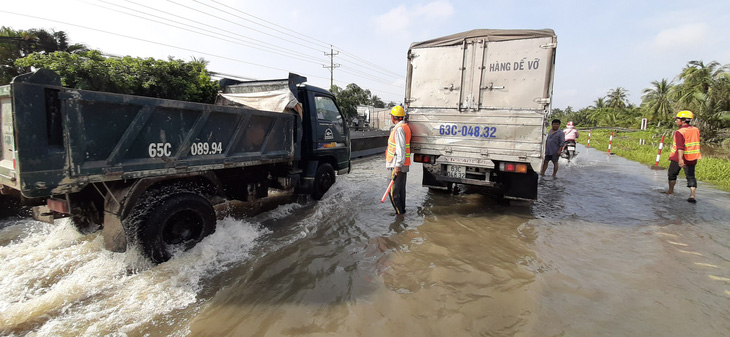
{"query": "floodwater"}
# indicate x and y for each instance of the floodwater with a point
(601, 253)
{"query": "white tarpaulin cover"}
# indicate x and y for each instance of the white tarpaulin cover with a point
(276, 100)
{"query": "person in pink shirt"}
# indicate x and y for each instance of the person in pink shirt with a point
(571, 134)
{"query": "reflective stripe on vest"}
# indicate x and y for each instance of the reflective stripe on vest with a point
(691, 143)
(390, 153)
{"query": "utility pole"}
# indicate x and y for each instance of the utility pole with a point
(332, 65)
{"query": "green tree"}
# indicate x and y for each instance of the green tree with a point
(52, 41)
(349, 98)
(657, 101)
(377, 102)
(703, 90)
(599, 103)
(15, 45)
(581, 118)
(171, 79)
(617, 98)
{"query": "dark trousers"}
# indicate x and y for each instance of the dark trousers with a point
(689, 173)
(398, 192)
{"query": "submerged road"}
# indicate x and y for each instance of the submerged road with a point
(601, 253)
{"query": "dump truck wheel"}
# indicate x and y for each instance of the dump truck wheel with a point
(323, 180)
(178, 222)
(86, 218)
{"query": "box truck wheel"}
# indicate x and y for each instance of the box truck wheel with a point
(323, 180)
(176, 222)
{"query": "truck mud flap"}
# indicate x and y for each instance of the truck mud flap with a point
(520, 186)
(307, 177)
(43, 214)
(429, 180)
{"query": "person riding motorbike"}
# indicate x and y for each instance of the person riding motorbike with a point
(571, 134)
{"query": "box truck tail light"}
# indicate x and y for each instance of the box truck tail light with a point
(58, 205)
(422, 158)
(513, 167)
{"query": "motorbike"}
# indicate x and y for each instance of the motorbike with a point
(568, 151)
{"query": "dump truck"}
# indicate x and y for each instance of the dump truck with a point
(148, 171)
(477, 103)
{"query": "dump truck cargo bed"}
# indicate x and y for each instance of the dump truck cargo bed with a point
(71, 138)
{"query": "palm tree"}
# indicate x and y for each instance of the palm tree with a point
(16, 44)
(657, 102)
(595, 111)
(617, 98)
(13, 45)
(599, 103)
(53, 41)
(702, 91)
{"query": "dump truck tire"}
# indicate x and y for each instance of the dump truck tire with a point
(323, 180)
(177, 222)
(87, 219)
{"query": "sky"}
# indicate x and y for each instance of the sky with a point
(602, 45)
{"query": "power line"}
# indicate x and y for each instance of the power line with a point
(238, 24)
(332, 65)
(192, 50)
(323, 44)
(267, 44)
(216, 35)
(356, 58)
(370, 63)
(144, 40)
(368, 77)
(372, 66)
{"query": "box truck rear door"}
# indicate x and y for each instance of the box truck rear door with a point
(516, 74)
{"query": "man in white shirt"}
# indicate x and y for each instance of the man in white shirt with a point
(398, 158)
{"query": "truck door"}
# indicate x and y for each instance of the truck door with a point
(331, 132)
(439, 87)
(516, 74)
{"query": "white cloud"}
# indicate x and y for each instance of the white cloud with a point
(436, 10)
(687, 35)
(398, 21)
(395, 21)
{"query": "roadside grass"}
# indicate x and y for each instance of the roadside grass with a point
(713, 170)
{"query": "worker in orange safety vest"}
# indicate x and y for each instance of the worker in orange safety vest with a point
(398, 158)
(685, 153)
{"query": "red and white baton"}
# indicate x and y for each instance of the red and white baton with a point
(388, 189)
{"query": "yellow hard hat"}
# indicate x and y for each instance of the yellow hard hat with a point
(685, 114)
(398, 111)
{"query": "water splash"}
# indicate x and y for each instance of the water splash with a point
(56, 280)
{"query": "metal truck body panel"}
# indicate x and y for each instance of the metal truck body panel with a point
(97, 136)
(477, 99)
(8, 174)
